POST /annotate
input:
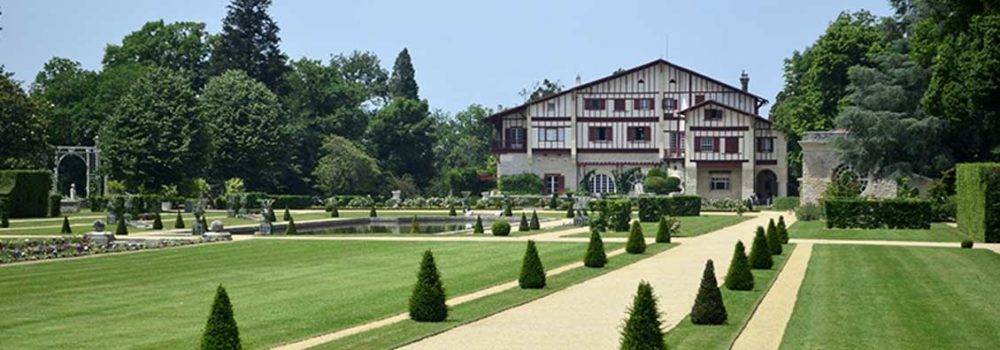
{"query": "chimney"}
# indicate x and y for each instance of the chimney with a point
(578, 80)
(745, 80)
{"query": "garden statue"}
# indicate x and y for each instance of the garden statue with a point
(396, 198)
(199, 214)
(580, 206)
(465, 202)
(72, 191)
(638, 188)
(266, 227)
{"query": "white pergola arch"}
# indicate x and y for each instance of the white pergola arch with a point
(91, 156)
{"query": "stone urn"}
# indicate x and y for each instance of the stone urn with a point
(100, 235)
(216, 230)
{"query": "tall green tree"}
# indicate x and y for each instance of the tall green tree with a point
(59, 90)
(345, 169)
(24, 143)
(401, 137)
(403, 82)
(463, 140)
(155, 136)
(181, 46)
(251, 131)
(249, 42)
(365, 69)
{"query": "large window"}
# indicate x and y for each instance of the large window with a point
(713, 114)
(517, 137)
(643, 104)
(553, 183)
(706, 144)
(552, 134)
(602, 183)
(669, 104)
(593, 104)
(600, 133)
(638, 133)
(719, 180)
(765, 144)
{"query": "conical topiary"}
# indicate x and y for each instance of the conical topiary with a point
(372, 213)
(760, 254)
(271, 217)
(534, 221)
(569, 211)
(782, 230)
(739, 276)
(157, 222)
(4, 218)
(414, 225)
(121, 228)
(427, 303)
(221, 331)
(66, 229)
(663, 230)
(507, 209)
(636, 243)
(773, 239)
(532, 272)
(642, 330)
(179, 223)
(523, 226)
(290, 228)
(708, 306)
(595, 251)
(553, 202)
(451, 210)
(287, 216)
(478, 227)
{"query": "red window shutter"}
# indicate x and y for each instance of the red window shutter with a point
(630, 135)
(697, 143)
(591, 131)
(649, 133)
(610, 132)
(732, 145)
(715, 146)
(561, 181)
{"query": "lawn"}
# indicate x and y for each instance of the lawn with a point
(282, 290)
(740, 305)
(881, 297)
(939, 232)
(690, 226)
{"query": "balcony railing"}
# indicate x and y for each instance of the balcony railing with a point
(508, 147)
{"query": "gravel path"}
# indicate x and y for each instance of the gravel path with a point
(767, 325)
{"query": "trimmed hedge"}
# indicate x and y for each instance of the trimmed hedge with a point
(500, 228)
(888, 213)
(26, 192)
(652, 208)
(615, 214)
(786, 203)
(55, 209)
(977, 186)
(292, 201)
(524, 183)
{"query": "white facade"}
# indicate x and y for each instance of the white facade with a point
(657, 115)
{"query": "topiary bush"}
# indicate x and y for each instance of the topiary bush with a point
(451, 210)
(636, 243)
(977, 187)
(26, 192)
(55, 208)
(739, 276)
(760, 253)
(643, 327)
(507, 208)
(478, 227)
(372, 213)
(782, 230)
(651, 208)
(708, 306)
(966, 243)
(290, 227)
(534, 224)
(532, 272)
(595, 251)
(569, 211)
(66, 229)
(221, 331)
(523, 226)
(598, 222)
(500, 228)
(179, 223)
(334, 211)
(157, 222)
(773, 238)
(271, 217)
(665, 229)
(287, 216)
(427, 303)
(121, 229)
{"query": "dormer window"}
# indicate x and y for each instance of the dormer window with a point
(713, 114)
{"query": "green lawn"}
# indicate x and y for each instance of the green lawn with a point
(282, 290)
(881, 297)
(739, 305)
(690, 226)
(939, 232)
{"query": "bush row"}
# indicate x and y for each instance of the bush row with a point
(887, 213)
(786, 203)
(977, 186)
(616, 214)
(652, 208)
(26, 192)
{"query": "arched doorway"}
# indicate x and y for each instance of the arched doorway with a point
(766, 186)
(71, 171)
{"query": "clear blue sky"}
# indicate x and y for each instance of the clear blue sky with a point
(464, 51)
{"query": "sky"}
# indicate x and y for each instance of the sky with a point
(465, 52)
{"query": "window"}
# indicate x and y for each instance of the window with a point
(765, 144)
(643, 104)
(640, 133)
(669, 104)
(706, 144)
(699, 99)
(553, 184)
(713, 114)
(551, 106)
(676, 142)
(517, 137)
(593, 104)
(619, 105)
(552, 134)
(732, 145)
(719, 180)
(602, 133)
(602, 183)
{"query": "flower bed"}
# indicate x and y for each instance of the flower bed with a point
(14, 251)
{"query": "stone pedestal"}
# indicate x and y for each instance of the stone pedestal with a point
(100, 238)
(218, 235)
(69, 205)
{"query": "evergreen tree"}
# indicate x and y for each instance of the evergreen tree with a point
(287, 216)
(403, 83)
(478, 228)
(249, 42)
(179, 223)
(663, 233)
(451, 210)
(271, 217)
(334, 212)
(372, 213)
(66, 229)
(427, 303)
(532, 272)
(507, 210)
(708, 306)
(534, 221)
(595, 251)
(553, 202)
(121, 228)
(414, 225)
(523, 226)
(760, 254)
(642, 330)
(783, 230)
(290, 229)
(636, 243)
(401, 137)
(221, 331)
(739, 276)
(4, 218)
(158, 222)
(773, 239)
(569, 211)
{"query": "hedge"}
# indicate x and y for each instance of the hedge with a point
(786, 203)
(888, 213)
(652, 208)
(292, 201)
(26, 192)
(617, 213)
(524, 183)
(977, 186)
(55, 208)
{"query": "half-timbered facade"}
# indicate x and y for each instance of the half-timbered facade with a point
(657, 115)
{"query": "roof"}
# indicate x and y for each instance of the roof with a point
(620, 74)
(717, 103)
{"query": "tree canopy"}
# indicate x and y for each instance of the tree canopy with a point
(403, 82)
(23, 145)
(249, 42)
(345, 169)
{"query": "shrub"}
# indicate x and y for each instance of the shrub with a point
(870, 214)
(66, 229)
(221, 331)
(661, 185)
(4, 220)
(966, 243)
(507, 208)
(270, 215)
(760, 253)
(179, 223)
(54, 206)
(478, 227)
(786, 203)
(427, 303)
(708, 306)
(809, 212)
(451, 210)
(619, 214)
(293, 201)
(534, 221)
(290, 227)
(501, 228)
(977, 188)
(652, 208)
(739, 276)
(636, 243)
(595, 251)
(599, 222)
(414, 225)
(121, 228)
(554, 202)
(532, 272)
(334, 212)
(287, 216)
(782, 230)
(524, 183)
(569, 211)
(157, 222)
(773, 238)
(664, 229)
(523, 226)
(26, 192)
(372, 213)
(643, 328)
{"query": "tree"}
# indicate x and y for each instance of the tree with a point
(157, 222)
(60, 91)
(463, 146)
(402, 83)
(427, 303)
(664, 229)
(540, 90)
(221, 331)
(595, 251)
(782, 230)
(773, 238)
(401, 138)
(121, 227)
(636, 243)
(451, 210)
(365, 69)
(478, 228)
(290, 227)
(155, 137)
(23, 145)
(66, 229)
(532, 272)
(708, 306)
(179, 223)
(287, 216)
(180, 46)
(372, 213)
(760, 253)
(739, 276)
(642, 330)
(254, 128)
(249, 42)
(346, 169)
(523, 226)
(624, 179)
(534, 225)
